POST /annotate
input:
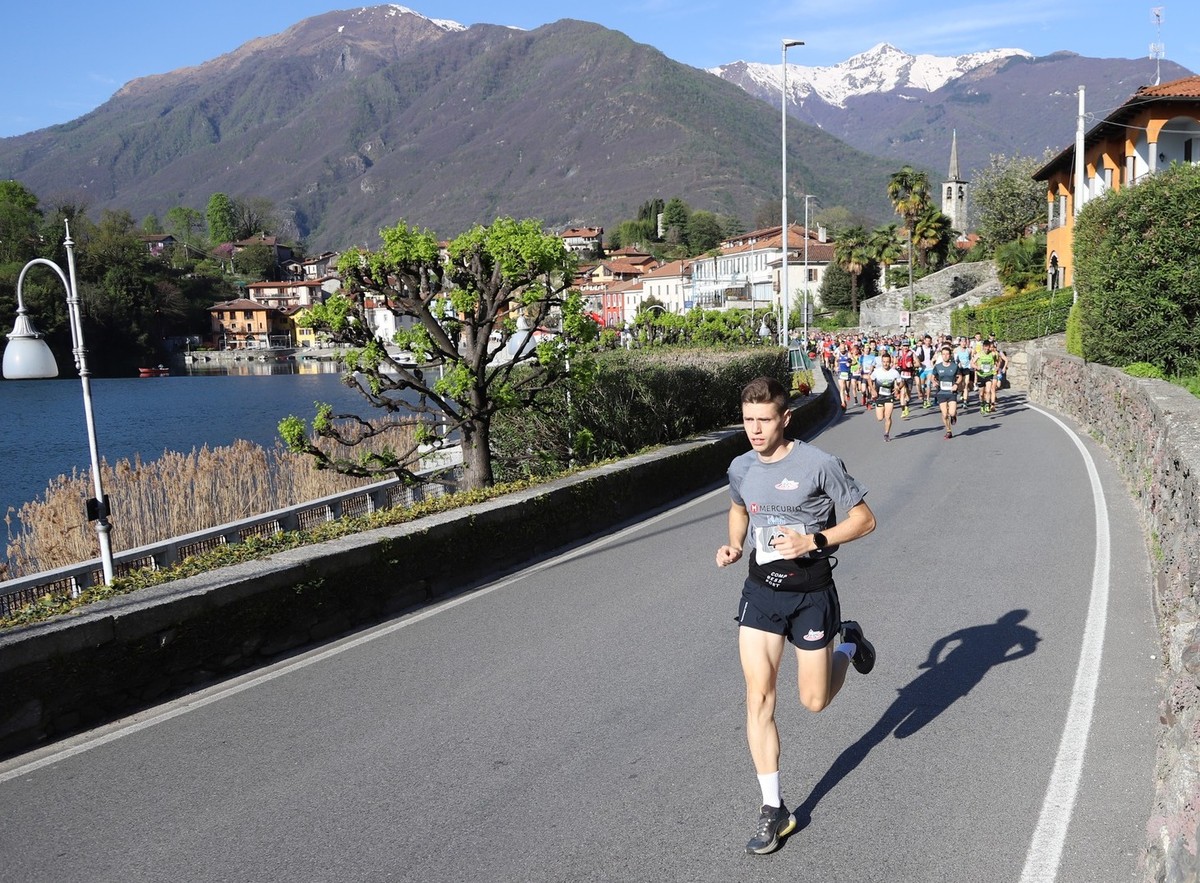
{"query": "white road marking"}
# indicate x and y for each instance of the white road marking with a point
(1045, 850)
(36, 760)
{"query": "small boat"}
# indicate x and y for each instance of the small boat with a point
(158, 371)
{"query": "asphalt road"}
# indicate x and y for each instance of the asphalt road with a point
(583, 720)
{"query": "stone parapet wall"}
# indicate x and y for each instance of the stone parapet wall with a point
(956, 286)
(1151, 430)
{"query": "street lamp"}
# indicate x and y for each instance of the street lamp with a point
(783, 278)
(807, 197)
(27, 357)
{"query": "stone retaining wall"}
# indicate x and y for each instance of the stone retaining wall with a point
(1151, 430)
(956, 286)
(114, 657)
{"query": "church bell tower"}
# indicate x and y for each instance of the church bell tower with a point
(954, 191)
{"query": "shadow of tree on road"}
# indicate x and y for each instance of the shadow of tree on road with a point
(976, 650)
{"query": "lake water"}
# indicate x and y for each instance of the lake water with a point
(43, 434)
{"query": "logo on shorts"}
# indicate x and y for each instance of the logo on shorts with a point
(814, 635)
(787, 485)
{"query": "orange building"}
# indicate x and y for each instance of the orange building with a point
(247, 324)
(1158, 126)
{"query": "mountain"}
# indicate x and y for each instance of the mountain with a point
(906, 107)
(353, 120)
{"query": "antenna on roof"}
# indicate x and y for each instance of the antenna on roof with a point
(1157, 50)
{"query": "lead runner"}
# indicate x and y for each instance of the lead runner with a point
(784, 499)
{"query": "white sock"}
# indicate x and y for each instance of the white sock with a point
(769, 783)
(848, 648)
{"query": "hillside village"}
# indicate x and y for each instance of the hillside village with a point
(742, 273)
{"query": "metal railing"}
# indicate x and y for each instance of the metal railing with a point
(72, 580)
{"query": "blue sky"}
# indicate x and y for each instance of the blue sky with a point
(63, 58)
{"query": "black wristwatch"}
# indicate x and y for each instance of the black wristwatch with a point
(819, 540)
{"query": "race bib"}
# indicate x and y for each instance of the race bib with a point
(946, 385)
(764, 541)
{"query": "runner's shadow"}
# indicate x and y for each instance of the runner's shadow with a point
(977, 649)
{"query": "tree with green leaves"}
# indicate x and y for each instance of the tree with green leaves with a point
(886, 246)
(675, 220)
(704, 231)
(490, 325)
(932, 233)
(1136, 275)
(20, 223)
(636, 233)
(222, 219)
(1007, 200)
(909, 193)
(1021, 263)
(256, 262)
(185, 224)
(851, 250)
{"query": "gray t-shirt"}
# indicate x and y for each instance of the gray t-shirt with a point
(804, 491)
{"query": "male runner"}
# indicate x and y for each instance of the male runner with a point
(988, 365)
(983, 363)
(944, 381)
(885, 381)
(785, 496)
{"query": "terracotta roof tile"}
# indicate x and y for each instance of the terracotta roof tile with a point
(1185, 87)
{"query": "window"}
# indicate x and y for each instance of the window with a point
(245, 314)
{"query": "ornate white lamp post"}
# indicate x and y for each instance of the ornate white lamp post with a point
(27, 357)
(783, 270)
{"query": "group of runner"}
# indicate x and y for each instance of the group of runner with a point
(882, 373)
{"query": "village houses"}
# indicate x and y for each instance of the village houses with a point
(1157, 126)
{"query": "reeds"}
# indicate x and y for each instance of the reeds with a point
(171, 496)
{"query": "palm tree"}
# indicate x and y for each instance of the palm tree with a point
(886, 246)
(932, 232)
(852, 252)
(908, 190)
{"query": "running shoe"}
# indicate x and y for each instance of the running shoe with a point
(886, 437)
(948, 434)
(774, 823)
(904, 413)
(864, 652)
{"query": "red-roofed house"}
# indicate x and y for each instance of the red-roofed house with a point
(669, 284)
(1157, 126)
(293, 294)
(583, 240)
(248, 324)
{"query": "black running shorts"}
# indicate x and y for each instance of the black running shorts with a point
(810, 620)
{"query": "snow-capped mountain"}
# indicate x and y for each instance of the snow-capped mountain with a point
(882, 68)
(889, 103)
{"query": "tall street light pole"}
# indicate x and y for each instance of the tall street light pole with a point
(27, 357)
(783, 270)
(807, 197)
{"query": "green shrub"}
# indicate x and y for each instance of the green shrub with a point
(1136, 272)
(1012, 317)
(1145, 369)
(634, 400)
(1074, 332)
